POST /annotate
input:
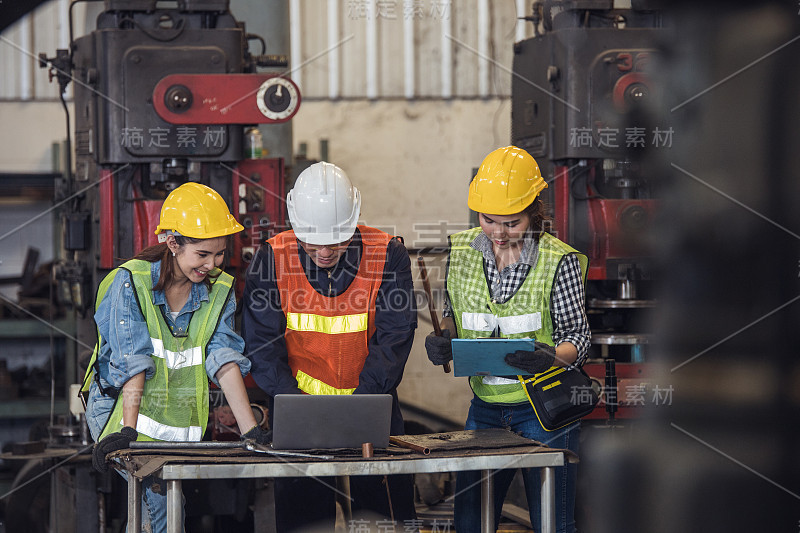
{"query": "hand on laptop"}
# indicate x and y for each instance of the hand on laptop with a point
(534, 362)
(439, 348)
(258, 434)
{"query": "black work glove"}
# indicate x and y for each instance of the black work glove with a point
(258, 434)
(439, 349)
(534, 362)
(112, 443)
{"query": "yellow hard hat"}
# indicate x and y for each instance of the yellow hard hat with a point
(507, 182)
(197, 211)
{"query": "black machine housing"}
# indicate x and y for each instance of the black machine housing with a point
(587, 106)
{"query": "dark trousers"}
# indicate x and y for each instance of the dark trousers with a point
(308, 504)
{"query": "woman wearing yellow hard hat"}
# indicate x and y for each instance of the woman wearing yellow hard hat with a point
(165, 327)
(510, 278)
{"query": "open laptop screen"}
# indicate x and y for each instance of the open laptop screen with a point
(304, 422)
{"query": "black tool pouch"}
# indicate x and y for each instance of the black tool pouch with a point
(560, 396)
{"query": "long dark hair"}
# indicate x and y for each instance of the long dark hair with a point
(161, 252)
(538, 217)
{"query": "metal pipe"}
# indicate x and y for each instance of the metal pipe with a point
(403, 444)
(409, 59)
(344, 498)
(487, 502)
(249, 445)
(163, 445)
(372, 51)
(484, 38)
(63, 41)
(101, 511)
(295, 38)
(134, 503)
(174, 506)
(626, 290)
(333, 55)
(26, 63)
(549, 499)
(447, 57)
(252, 446)
(520, 29)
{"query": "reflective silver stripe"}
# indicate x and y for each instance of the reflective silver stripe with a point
(513, 325)
(497, 380)
(478, 321)
(176, 360)
(155, 430)
(509, 325)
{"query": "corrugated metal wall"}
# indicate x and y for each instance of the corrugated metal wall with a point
(43, 30)
(374, 49)
(405, 48)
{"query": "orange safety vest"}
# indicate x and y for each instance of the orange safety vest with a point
(326, 337)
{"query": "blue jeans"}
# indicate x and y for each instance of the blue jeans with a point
(519, 418)
(154, 502)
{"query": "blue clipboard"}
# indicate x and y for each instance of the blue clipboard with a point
(486, 357)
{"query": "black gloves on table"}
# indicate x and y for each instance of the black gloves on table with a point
(439, 349)
(112, 443)
(259, 435)
(534, 362)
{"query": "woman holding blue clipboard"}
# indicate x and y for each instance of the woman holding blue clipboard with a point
(511, 279)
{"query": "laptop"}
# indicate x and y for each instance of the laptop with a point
(305, 422)
(486, 357)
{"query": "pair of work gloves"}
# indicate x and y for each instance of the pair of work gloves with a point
(122, 439)
(532, 362)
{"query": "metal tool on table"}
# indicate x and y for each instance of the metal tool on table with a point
(423, 271)
(248, 444)
(398, 441)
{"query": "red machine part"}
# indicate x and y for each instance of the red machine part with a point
(226, 99)
(634, 390)
(624, 90)
(618, 227)
(148, 213)
(259, 203)
(106, 194)
(562, 194)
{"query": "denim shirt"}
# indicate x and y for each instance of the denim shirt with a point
(127, 349)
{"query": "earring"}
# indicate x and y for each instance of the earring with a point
(173, 254)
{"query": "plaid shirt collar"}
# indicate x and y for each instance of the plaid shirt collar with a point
(503, 285)
(528, 256)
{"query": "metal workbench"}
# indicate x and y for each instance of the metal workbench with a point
(174, 469)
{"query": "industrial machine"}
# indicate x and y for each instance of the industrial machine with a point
(162, 96)
(164, 93)
(585, 105)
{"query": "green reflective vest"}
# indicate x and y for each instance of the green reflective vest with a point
(524, 315)
(174, 404)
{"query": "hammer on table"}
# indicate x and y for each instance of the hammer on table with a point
(423, 272)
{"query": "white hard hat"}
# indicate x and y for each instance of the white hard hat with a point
(323, 205)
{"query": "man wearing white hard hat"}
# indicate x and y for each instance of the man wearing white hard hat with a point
(329, 309)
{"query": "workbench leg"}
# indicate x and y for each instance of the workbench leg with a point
(134, 503)
(264, 506)
(487, 501)
(344, 498)
(549, 499)
(174, 506)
